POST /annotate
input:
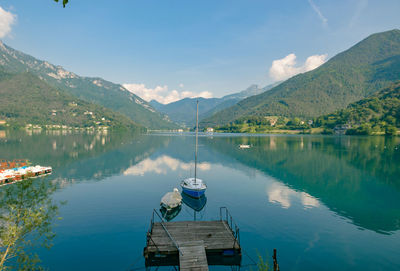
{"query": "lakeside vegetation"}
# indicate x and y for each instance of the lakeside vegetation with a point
(378, 114)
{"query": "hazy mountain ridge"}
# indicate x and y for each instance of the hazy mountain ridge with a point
(370, 65)
(184, 111)
(96, 90)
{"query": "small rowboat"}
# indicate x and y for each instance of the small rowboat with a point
(171, 200)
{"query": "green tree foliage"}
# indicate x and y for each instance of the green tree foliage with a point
(64, 2)
(376, 114)
(390, 130)
(262, 265)
(27, 213)
(259, 124)
(363, 129)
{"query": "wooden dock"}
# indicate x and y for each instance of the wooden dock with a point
(193, 245)
(193, 256)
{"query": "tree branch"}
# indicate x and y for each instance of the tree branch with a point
(3, 259)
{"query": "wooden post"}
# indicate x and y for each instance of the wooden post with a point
(276, 265)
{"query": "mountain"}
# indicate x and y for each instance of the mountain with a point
(354, 74)
(26, 99)
(234, 98)
(94, 90)
(379, 112)
(184, 111)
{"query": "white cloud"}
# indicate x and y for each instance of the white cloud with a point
(6, 20)
(161, 165)
(285, 196)
(280, 194)
(181, 85)
(318, 11)
(308, 201)
(314, 62)
(162, 94)
(284, 68)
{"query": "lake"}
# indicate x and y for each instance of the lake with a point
(324, 202)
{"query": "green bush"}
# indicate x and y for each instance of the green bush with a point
(390, 130)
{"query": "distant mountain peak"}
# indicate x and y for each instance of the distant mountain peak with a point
(252, 86)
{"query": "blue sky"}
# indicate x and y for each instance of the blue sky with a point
(215, 47)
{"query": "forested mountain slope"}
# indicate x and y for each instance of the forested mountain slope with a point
(354, 74)
(94, 90)
(26, 99)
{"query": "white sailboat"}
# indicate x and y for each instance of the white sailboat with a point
(194, 187)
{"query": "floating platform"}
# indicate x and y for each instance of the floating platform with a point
(193, 245)
(12, 175)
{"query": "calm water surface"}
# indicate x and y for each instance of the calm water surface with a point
(325, 203)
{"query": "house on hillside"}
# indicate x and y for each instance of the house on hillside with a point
(341, 129)
(272, 120)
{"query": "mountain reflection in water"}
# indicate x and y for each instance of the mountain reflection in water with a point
(309, 196)
(356, 177)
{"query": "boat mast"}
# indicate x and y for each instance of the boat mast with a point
(197, 130)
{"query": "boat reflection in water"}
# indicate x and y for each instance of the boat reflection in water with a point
(169, 214)
(197, 204)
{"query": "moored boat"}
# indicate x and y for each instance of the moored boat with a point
(194, 187)
(171, 200)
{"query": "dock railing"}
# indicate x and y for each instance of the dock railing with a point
(162, 221)
(224, 215)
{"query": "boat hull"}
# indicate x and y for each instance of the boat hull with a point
(170, 206)
(194, 193)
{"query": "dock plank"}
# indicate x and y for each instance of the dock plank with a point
(193, 256)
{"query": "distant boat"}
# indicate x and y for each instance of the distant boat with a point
(194, 187)
(244, 146)
(171, 200)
